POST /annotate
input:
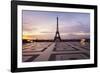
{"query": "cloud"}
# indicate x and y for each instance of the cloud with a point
(75, 35)
(48, 32)
(74, 27)
(29, 28)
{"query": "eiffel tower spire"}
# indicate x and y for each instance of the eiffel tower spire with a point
(57, 35)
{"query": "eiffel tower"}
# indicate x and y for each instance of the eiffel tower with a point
(57, 35)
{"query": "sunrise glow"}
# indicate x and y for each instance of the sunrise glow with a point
(42, 25)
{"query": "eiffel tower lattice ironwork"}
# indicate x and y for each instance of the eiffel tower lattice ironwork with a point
(57, 35)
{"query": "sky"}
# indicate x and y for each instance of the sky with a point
(42, 24)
